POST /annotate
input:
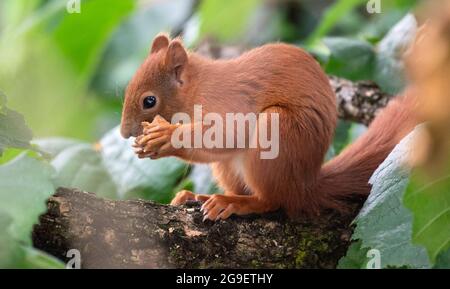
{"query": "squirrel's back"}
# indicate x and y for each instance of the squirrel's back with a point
(288, 74)
(272, 74)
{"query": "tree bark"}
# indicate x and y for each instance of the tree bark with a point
(143, 234)
(358, 101)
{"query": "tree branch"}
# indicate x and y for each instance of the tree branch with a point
(140, 234)
(358, 101)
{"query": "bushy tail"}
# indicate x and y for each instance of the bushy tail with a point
(348, 174)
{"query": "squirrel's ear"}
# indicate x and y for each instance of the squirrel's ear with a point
(161, 41)
(176, 59)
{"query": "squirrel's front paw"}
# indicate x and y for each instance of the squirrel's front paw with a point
(155, 140)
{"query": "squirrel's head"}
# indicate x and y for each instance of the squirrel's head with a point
(157, 86)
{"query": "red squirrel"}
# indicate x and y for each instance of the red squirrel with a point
(274, 78)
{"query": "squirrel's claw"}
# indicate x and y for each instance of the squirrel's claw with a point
(218, 207)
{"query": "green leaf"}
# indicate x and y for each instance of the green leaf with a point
(356, 131)
(358, 60)
(8, 247)
(350, 58)
(389, 67)
(143, 178)
(55, 145)
(342, 135)
(56, 53)
(428, 198)
(356, 257)
(9, 154)
(443, 260)
(13, 254)
(111, 169)
(185, 184)
(33, 258)
(331, 16)
(25, 185)
(13, 130)
(384, 223)
(83, 36)
(119, 61)
(346, 133)
(81, 166)
(225, 20)
(16, 11)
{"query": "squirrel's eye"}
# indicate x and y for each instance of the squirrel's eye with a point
(149, 102)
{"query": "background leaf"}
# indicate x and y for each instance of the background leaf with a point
(443, 260)
(429, 200)
(350, 58)
(383, 63)
(25, 186)
(80, 41)
(332, 15)
(120, 61)
(55, 145)
(389, 67)
(13, 130)
(81, 166)
(355, 258)
(225, 19)
(112, 170)
(65, 52)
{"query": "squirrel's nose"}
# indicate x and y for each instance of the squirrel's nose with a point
(127, 129)
(125, 132)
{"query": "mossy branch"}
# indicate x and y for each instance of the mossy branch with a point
(140, 234)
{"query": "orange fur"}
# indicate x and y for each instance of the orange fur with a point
(272, 78)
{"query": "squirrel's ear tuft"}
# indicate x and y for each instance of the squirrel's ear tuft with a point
(176, 59)
(161, 41)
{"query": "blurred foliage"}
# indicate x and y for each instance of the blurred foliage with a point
(332, 16)
(79, 64)
(346, 133)
(47, 80)
(443, 260)
(429, 199)
(350, 58)
(119, 60)
(357, 59)
(225, 20)
(83, 51)
(355, 258)
(66, 73)
(428, 194)
(25, 185)
(13, 130)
